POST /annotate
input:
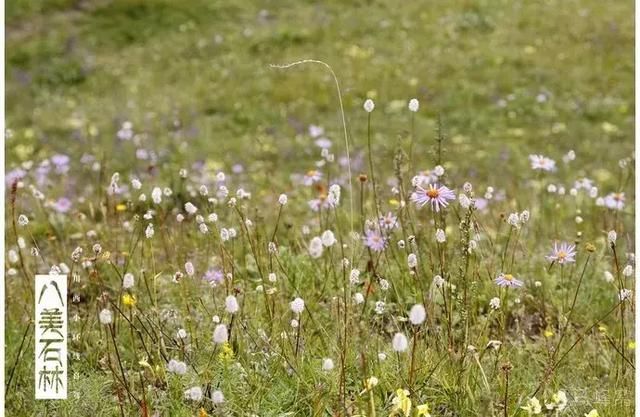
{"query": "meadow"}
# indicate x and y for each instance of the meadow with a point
(302, 208)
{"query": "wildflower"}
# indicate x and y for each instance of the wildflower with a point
(565, 253)
(213, 276)
(156, 195)
(328, 238)
(379, 309)
(608, 276)
(193, 394)
(372, 381)
(315, 247)
(311, 177)
(465, 202)
(423, 410)
(369, 105)
(374, 241)
(333, 198)
(384, 284)
(412, 260)
(625, 294)
(494, 344)
(435, 195)
(612, 236)
(75, 255)
(190, 208)
(294, 323)
(399, 342)
(414, 105)
(106, 317)
(388, 221)
(592, 413)
(181, 334)
(558, 401)
(217, 397)
(188, 267)
(282, 200)
(627, 271)
(540, 162)
(438, 281)
(417, 314)
(327, 364)
(358, 298)
(508, 280)
(23, 220)
(231, 304)
(614, 201)
(177, 367)
(514, 220)
(220, 334)
(297, 305)
(129, 300)
(402, 402)
(533, 406)
(494, 303)
(148, 232)
(440, 236)
(354, 277)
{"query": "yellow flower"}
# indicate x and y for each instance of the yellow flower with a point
(548, 333)
(632, 344)
(121, 207)
(533, 406)
(402, 402)
(129, 300)
(592, 413)
(202, 413)
(423, 410)
(226, 355)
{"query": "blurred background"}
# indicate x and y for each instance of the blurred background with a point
(141, 83)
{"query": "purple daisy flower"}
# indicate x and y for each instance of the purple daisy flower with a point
(388, 221)
(565, 253)
(63, 205)
(61, 163)
(508, 281)
(213, 276)
(435, 195)
(374, 241)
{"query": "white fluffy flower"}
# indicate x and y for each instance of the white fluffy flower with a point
(369, 105)
(327, 364)
(400, 342)
(156, 195)
(217, 397)
(220, 334)
(412, 260)
(417, 314)
(627, 271)
(148, 232)
(440, 236)
(23, 220)
(438, 170)
(106, 317)
(177, 367)
(188, 267)
(193, 394)
(282, 199)
(494, 303)
(414, 105)
(190, 208)
(231, 304)
(354, 277)
(358, 298)
(612, 236)
(315, 247)
(328, 238)
(128, 280)
(297, 305)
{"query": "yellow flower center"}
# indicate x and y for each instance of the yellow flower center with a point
(508, 277)
(562, 254)
(432, 193)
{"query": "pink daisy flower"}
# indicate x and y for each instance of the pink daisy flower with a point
(311, 177)
(435, 195)
(565, 253)
(388, 221)
(508, 281)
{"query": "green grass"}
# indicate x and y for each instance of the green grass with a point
(195, 77)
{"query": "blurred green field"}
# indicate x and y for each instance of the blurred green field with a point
(506, 78)
(202, 68)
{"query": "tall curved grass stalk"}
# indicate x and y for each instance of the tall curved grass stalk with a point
(344, 122)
